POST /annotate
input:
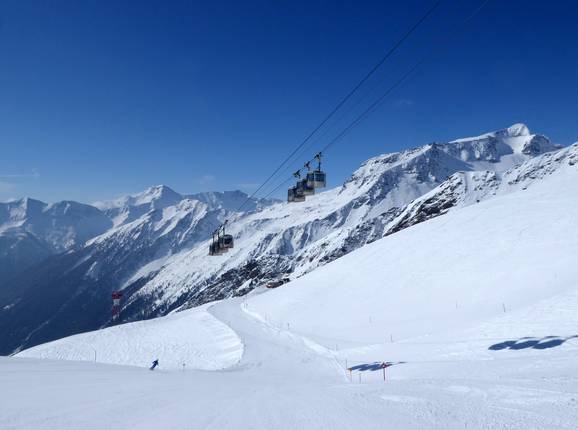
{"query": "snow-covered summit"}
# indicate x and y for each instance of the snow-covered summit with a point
(129, 208)
(31, 230)
(467, 188)
(514, 140)
(496, 151)
(158, 195)
(62, 225)
(232, 200)
(15, 212)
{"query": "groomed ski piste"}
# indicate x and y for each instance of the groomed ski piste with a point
(475, 314)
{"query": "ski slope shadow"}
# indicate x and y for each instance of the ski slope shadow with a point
(546, 342)
(375, 366)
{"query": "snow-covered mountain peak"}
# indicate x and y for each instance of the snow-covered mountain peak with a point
(231, 200)
(492, 147)
(129, 208)
(14, 213)
(466, 188)
(72, 209)
(517, 130)
(31, 230)
(373, 168)
(407, 171)
(160, 194)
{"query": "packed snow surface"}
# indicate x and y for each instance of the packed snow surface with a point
(475, 314)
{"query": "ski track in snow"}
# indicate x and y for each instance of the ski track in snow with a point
(282, 382)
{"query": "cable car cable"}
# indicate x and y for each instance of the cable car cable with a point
(389, 53)
(381, 98)
(400, 81)
(371, 108)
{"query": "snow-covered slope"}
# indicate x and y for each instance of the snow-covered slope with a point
(194, 338)
(515, 250)
(474, 314)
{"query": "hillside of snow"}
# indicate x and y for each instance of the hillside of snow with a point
(473, 312)
(194, 338)
(513, 250)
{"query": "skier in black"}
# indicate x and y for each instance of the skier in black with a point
(155, 364)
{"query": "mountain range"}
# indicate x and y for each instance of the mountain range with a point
(59, 263)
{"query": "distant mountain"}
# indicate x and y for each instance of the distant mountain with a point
(157, 250)
(232, 200)
(129, 208)
(19, 251)
(31, 230)
(63, 225)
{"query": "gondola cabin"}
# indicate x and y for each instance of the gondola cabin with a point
(316, 179)
(215, 249)
(306, 189)
(295, 194)
(226, 242)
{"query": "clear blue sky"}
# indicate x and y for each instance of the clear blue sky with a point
(102, 98)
